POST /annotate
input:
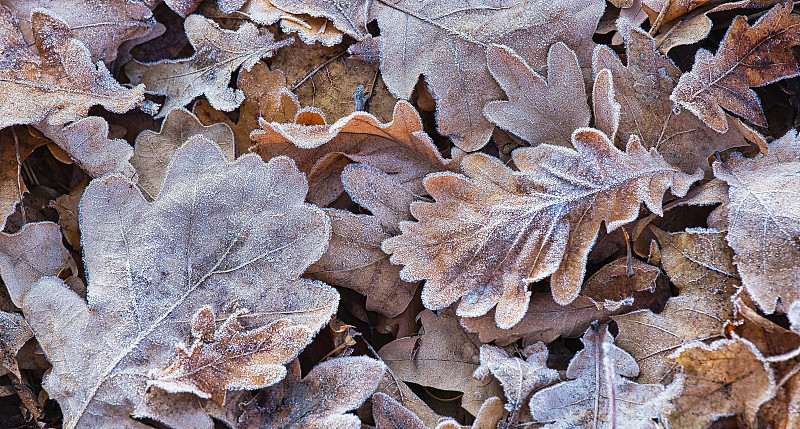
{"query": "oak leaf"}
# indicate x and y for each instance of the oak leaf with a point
(390, 414)
(488, 417)
(16, 144)
(14, 333)
(446, 42)
(218, 54)
(398, 390)
(642, 88)
(599, 372)
(612, 286)
(764, 221)
(60, 83)
(101, 26)
(319, 400)
(747, 57)
(494, 231)
(399, 148)
(230, 236)
(444, 357)
(309, 28)
(349, 16)
(153, 150)
(67, 207)
(720, 379)
(538, 110)
(354, 258)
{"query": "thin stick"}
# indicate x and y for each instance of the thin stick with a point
(660, 18)
(629, 259)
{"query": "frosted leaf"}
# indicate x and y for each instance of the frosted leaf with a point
(14, 333)
(538, 110)
(764, 221)
(605, 108)
(390, 414)
(611, 287)
(16, 144)
(218, 53)
(319, 400)
(489, 416)
(60, 83)
(310, 29)
(230, 236)
(494, 231)
(349, 16)
(154, 150)
(67, 207)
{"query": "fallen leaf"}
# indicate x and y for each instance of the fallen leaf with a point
(154, 150)
(67, 206)
(642, 89)
(309, 29)
(396, 389)
(399, 148)
(59, 84)
(605, 108)
(230, 358)
(586, 399)
(390, 414)
(101, 26)
(538, 110)
(349, 16)
(218, 54)
(494, 231)
(16, 144)
(519, 378)
(728, 376)
(764, 221)
(226, 235)
(446, 42)
(747, 57)
(611, 287)
(14, 333)
(444, 357)
(488, 417)
(319, 400)
(354, 258)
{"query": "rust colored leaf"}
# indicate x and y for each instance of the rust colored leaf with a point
(390, 414)
(720, 379)
(230, 236)
(67, 206)
(319, 400)
(642, 89)
(612, 288)
(230, 358)
(585, 400)
(488, 417)
(494, 231)
(349, 16)
(747, 57)
(764, 221)
(354, 258)
(538, 110)
(399, 148)
(154, 150)
(445, 358)
(310, 29)
(60, 83)
(218, 53)
(101, 26)
(15, 145)
(446, 42)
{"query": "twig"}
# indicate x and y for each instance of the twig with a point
(660, 18)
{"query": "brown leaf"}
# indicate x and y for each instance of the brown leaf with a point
(399, 391)
(101, 26)
(642, 89)
(520, 378)
(444, 357)
(67, 206)
(586, 399)
(446, 42)
(14, 333)
(154, 150)
(720, 379)
(231, 358)
(764, 221)
(218, 53)
(60, 83)
(354, 258)
(492, 233)
(308, 28)
(399, 148)
(538, 110)
(700, 264)
(349, 16)
(226, 235)
(16, 144)
(611, 287)
(747, 57)
(390, 414)
(488, 417)
(319, 400)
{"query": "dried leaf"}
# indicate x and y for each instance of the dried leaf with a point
(446, 42)
(59, 84)
(67, 206)
(309, 29)
(154, 150)
(349, 16)
(492, 233)
(642, 89)
(444, 357)
(218, 53)
(585, 400)
(399, 148)
(317, 401)
(747, 57)
(225, 235)
(390, 414)
(15, 146)
(14, 333)
(399, 391)
(101, 26)
(728, 376)
(520, 378)
(538, 110)
(611, 287)
(764, 221)
(488, 417)
(354, 258)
